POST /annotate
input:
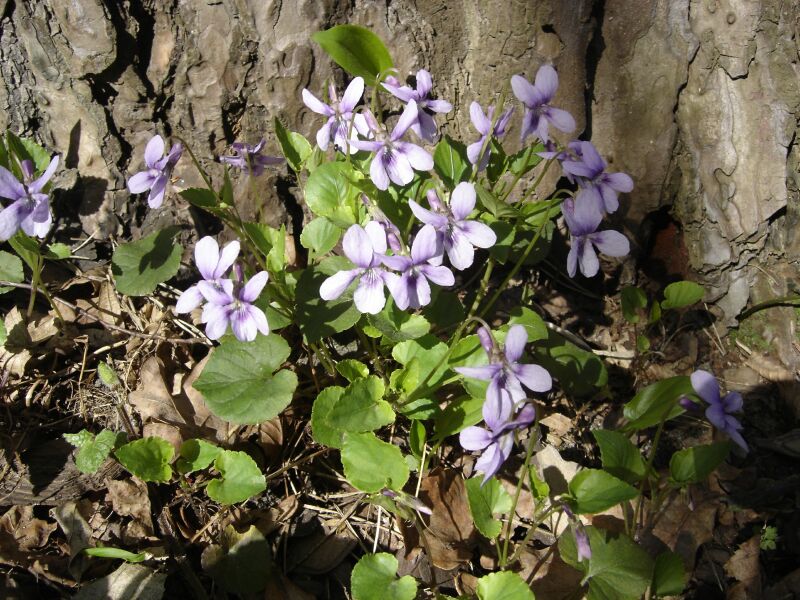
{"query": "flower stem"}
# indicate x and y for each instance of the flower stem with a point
(35, 280)
(523, 475)
(515, 269)
(647, 468)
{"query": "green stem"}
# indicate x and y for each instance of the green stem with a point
(531, 530)
(538, 179)
(199, 168)
(520, 483)
(479, 295)
(517, 177)
(647, 468)
(515, 269)
(35, 280)
(324, 357)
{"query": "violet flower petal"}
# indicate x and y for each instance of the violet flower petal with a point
(252, 289)
(335, 285)
(706, 386)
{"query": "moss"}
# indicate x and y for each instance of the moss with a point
(751, 332)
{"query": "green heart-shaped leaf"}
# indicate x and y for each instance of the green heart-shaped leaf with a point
(239, 382)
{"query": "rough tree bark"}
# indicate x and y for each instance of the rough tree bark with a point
(698, 100)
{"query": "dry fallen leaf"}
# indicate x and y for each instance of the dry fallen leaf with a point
(556, 471)
(165, 431)
(550, 577)
(151, 398)
(450, 535)
(130, 498)
(21, 531)
(127, 582)
(282, 587)
(682, 529)
(327, 545)
(71, 517)
(745, 568)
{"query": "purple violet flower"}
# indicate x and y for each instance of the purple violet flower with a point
(581, 537)
(582, 219)
(30, 208)
(507, 376)
(411, 288)
(719, 409)
(339, 126)
(365, 247)
(394, 160)
(454, 233)
(597, 186)
(158, 172)
(483, 123)
(496, 441)
(424, 126)
(536, 98)
(232, 304)
(249, 159)
(213, 265)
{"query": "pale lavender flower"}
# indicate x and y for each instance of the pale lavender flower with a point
(158, 172)
(411, 288)
(30, 208)
(719, 409)
(213, 266)
(582, 219)
(425, 126)
(455, 234)
(506, 377)
(248, 158)
(597, 186)
(394, 159)
(483, 123)
(536, 98)
(365, 247)
(339, 126)
(233, 305)
(496, 441)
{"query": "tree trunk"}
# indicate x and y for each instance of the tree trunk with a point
(698, 100)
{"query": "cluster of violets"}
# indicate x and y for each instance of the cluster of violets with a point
(395, 159)
(227, 302)
(407, 272)
(506, 408)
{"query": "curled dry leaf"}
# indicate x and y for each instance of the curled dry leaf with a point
(268, 437)
(72, 518)
(21, 531)
(151, 398)
(266, 521)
